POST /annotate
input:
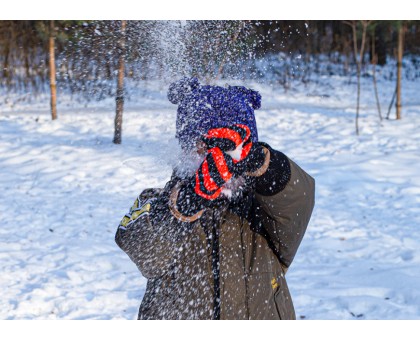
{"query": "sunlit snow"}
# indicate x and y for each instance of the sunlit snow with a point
(65, 187)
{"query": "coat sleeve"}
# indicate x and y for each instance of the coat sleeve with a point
(286, 194)
(150, 235)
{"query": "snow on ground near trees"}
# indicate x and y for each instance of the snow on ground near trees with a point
(65, 186)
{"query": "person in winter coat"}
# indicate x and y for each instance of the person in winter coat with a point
(217, 240)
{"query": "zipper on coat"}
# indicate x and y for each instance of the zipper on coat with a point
(215, 264)
(244, 268)
(210, 225)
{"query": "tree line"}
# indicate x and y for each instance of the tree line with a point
(93, 58)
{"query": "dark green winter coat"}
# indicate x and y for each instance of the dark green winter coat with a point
(229, 263)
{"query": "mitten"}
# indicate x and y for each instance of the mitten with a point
(236, 142)
(233, 140)
(216, 169)
(230, 153)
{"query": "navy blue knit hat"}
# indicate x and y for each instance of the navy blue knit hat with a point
(203, 107)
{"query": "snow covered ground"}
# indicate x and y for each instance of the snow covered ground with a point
(64, 188)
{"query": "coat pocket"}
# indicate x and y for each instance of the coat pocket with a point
(261, 304)
(283, 301)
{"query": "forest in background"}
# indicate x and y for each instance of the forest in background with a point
(93, 59)
(87, 52)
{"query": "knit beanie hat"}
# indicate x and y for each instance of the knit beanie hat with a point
(203, 107)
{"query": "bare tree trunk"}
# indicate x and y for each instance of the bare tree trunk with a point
(374, 62)
(392, 103)
(358, 54)
(8, 48)
(6, 61)
(358, 99)
(120, 85)
(52, 72)
(308, 53)
(358, 63)
(347, 52)
(399, 68)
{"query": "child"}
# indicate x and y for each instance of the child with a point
(216, 242)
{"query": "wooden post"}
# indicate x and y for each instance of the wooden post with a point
(399, 68)
(53, 86)
(120, 85)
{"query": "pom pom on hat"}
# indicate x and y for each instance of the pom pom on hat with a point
(253, 97)
(178, 90)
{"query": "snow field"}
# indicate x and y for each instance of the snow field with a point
(64, 188)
